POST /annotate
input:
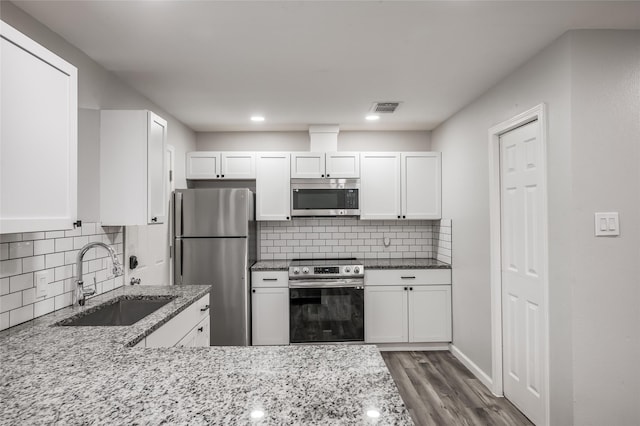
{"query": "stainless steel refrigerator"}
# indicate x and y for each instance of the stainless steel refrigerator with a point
(215, 245)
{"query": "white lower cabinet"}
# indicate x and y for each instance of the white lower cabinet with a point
(269, 308)
(184, 329)
(407, 306)
(270, 316)
(198, 336)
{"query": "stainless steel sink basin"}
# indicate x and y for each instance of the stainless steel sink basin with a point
(125, 310)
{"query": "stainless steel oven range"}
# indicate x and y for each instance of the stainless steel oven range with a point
(326, 301)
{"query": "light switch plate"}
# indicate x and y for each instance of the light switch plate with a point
(607, 224)
(42, 283)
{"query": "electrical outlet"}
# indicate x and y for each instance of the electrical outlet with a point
(42, 284)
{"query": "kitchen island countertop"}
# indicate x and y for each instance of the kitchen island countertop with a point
(89, 375)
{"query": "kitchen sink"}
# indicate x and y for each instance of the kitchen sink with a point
(120, 311)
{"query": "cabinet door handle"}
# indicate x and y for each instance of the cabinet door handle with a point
(411, 288)
(253, 291)
(217, 176)
(269, 279)
(154, 219)
(287, 217)
(328, 175)
(221, 175)
(408, 278)
(204, 308)
(321, 175)
(404, 217)
(200, 328)
(405, 289)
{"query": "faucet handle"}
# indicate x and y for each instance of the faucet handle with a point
(117, 269)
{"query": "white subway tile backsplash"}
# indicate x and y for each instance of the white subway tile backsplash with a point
(352, 237)
(35, 263)
(20, 282)
(55, 253)
(10, 267)
(20, 315)
(43, 247)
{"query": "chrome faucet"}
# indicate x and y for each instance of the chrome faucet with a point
(81, 293)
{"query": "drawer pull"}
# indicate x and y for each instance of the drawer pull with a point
(269, 279)
(409, 277)
(200, 328)
(205, 308)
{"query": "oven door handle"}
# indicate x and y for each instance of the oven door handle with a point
(333, 283)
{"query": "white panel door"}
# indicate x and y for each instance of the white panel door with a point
(385, 316)
(156, 170)
(380, 185)
(38, 136)
(421, 185)
(343, 165)
(307, 165)
(203, 165)
(522, 274)
(430, 313)
(273, 186)
(270, 316)
(238, 165)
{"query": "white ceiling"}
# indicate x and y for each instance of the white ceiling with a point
(214, 64)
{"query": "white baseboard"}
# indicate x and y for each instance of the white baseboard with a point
(466, 361)
(412, 346)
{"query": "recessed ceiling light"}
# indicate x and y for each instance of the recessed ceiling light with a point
(257, 118)
(372, 117)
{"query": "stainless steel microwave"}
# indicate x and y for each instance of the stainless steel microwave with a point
(325, 197)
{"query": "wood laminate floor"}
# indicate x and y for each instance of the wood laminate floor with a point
(438, 390)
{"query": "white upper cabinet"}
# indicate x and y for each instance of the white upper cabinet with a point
(203, 165)
(325, 165)
(342, 165)
(273, 188)
(38, 136)
(421, 185)
(307, 165)
(132, 168)
(380, 185)
(221, 165)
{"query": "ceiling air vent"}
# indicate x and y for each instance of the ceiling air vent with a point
(385, 107)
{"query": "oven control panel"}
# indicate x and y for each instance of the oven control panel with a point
(324, 271)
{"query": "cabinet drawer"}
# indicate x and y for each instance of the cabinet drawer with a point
(173, 331)
(407, 276)
(269, 279)
(197, 336)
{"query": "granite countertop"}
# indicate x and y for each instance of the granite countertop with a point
(91, 375)
(426, 263)
(271, 265)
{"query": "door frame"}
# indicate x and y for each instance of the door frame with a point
(536, 113)
(171, 185)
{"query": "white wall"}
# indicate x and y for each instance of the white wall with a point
(606, 177)
(589, 82)
(299, 141)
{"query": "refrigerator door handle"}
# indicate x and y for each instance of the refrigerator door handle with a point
(178, 261)
(178, 214)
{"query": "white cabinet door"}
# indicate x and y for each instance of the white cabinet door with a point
(238, 165)
(203, 165)
(307, 165)
(273, 188)
(342, 165)
(380, 186)
(157, 180)
(385, 314)
(421, 186)
(430, 313)
(38, 136)
(270, 316)
(132, 168)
